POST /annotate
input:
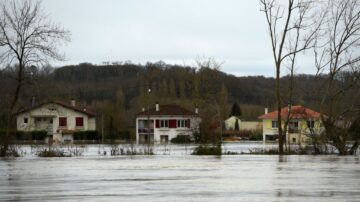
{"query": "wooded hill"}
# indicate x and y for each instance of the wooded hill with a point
(119, 91)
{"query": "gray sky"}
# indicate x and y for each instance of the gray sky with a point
(174, 31)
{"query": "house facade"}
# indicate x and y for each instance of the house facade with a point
(162, 123)
(303, 123)
(59, 119)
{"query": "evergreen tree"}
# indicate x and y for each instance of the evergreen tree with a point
(235, 110)
(237, 125)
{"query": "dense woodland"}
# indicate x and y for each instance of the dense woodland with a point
(119, 91)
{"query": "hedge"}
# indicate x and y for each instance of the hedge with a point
(87, 135)
(181, 139)
(32, 135)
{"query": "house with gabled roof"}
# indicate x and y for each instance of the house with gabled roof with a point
(59, 119)
(162, 123)
(304, 123)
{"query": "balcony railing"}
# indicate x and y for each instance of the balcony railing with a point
(145, 130)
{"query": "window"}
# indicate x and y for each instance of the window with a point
(274, 124)
(79, 121)
(310, 123)
(181, 123)
(294, 124)
(26, 120)
(62, 121)
(164, 123)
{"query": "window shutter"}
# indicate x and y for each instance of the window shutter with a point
(172, 123)
(188, 123)
(79, 121)
(157, 124)
(62, 121)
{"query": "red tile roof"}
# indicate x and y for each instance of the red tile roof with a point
(63, 104)
(168, 110)
(297, 112)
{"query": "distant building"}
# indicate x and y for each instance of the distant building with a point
(59, 119)
(166, 122)
(303, 123)
(243, 123)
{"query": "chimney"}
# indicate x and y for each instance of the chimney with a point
(266, 110)
(157, 107)
(73, 102)
(196, 110)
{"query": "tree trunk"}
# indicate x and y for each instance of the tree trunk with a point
(11, 113)
(278, 98)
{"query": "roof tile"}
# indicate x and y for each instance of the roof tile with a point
(297, 112)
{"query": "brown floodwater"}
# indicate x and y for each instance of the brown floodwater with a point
(175, 175)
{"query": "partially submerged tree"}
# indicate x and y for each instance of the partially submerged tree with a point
(27, 38)
(292, 31)
(338, 60)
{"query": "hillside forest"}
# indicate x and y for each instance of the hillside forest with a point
(117, 92)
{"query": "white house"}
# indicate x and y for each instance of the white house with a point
(243, 123)
(165, 123)
(59, 119)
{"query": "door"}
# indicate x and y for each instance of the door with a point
(164, 139)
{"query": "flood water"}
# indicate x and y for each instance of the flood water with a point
(175, 175)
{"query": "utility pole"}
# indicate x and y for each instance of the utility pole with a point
(148, 121)
(102, 129)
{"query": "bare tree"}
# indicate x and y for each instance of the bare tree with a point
(27, 38)
(292, 30)
(337, 57)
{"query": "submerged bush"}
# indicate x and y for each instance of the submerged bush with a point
(52, 153)
(44, 151)
(116, 150)
(181, 139)
(256, 135)
(207, 150)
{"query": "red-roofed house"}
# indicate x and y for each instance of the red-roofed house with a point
(59, 119)
(166, 122)
(303, 122)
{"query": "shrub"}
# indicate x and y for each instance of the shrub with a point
(52, 153)
(38, 135)
(197, 137)
(207, 150)
(181, 139)
(32, 135)
(256, 135)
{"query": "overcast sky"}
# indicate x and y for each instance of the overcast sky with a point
(174, 31)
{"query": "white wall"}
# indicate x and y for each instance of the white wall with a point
(230, 123)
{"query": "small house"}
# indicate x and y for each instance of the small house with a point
(59, 119)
